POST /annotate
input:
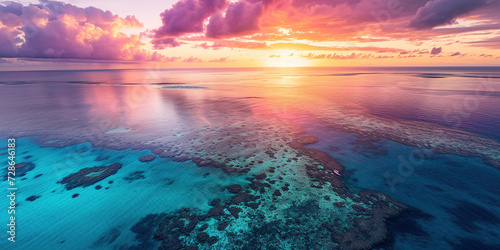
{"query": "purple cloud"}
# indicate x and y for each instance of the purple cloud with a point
(57, 30)
(436, 51)
(241, 18)
(187, 16)
(440, 12)
(456, 54)
(163, 43)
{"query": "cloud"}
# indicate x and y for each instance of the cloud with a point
(231, 44)
(436, 51)
(57, 30)
(163, 43)
(455, 54)
(220, 60)
(334, 56)
(187, 16)
(356, 21)
(241, 18)
(290, 46)
(490, 43)
(192, 59)
(441, 12)
(173, 59)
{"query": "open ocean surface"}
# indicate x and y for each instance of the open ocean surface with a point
(427, 137)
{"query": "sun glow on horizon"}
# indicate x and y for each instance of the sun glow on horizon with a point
(286, 58)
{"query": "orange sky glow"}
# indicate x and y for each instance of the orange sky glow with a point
(250, 33)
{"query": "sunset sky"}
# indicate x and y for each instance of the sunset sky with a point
(251, 33)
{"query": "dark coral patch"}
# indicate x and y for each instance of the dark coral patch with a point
(145, 228)
(260, 176)
(222, 226)
(21, 169)
(203, 237)
(101, 158)
(203, 227)
(89, 176)
(235, 211)
(33, 197)
(212, 240)
(137, 175)
(147, 158)
(75, 195)
(235, 188)
(277, 192)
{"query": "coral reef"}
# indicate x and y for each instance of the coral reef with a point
(21, 169)
(89, 176)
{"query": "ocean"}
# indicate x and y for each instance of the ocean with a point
(286, 158)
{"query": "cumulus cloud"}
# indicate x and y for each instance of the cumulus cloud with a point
(163, 43)
(321, 20)
(455, 54)
(187, 16)
(241, 18)
(441, 12)
(436, 51)
(57, 30)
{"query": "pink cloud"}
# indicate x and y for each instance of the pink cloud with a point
(232, 44)
(57, 30)
(187, 16)
(241, 18)
(436, 51)
(192, 59)
(334, 56)
(222, 59)
(163, 43)
(324, 20)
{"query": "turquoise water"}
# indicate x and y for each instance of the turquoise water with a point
(427, 137)
(102, 219)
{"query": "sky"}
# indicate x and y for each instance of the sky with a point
(250, 33)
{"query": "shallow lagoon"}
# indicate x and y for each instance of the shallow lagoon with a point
(215, 126)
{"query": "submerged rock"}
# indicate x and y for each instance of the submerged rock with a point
(212, 240)
(136, 175)
(235, 188)
(147, 158)
(33, 197)
(89, 176)
(203, 237)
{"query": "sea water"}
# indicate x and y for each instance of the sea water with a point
(65, 121)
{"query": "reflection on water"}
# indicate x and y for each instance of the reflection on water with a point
(364, 117)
